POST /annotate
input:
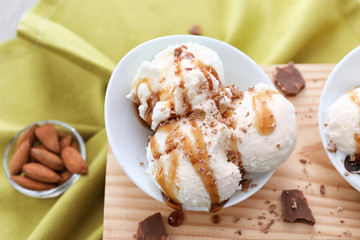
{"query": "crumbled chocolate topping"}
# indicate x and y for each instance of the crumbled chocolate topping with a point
(234, 157)
(238, 232)
(322, 189)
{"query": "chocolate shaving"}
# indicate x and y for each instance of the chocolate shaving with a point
(295, 207)
(238, 232)
(303, 161)
(289, 80)
(322, 189)
(236, 219)
(234, 157)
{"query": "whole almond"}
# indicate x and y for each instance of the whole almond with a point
(29, 133)
(61, 134)
(39, 172)
(73, 161)
(65, 141)
(74, 144)
(47, 158)
(32, 159)
(20, 157)
(65, 175)
(31, 184)
(47, 136)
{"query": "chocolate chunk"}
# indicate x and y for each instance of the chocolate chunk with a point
(195, 30)
(289, 79)
(152, 228)
(352, 164)
(295, 207)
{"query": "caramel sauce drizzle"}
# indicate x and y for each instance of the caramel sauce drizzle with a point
(207, 70)
(167, 182)
(354, 97)
(233, 143)
(198, 156)
(179, 54)
(264, 117)
(151, 101)
(186, 101)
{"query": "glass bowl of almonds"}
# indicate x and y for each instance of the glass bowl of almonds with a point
(45, 158)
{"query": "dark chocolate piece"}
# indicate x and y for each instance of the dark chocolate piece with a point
(289, 80)
(152, 228)
(295, 207)
(195, 30)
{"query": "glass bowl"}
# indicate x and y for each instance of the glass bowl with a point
(10, 149)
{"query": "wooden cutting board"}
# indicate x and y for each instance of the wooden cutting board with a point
(337, 212)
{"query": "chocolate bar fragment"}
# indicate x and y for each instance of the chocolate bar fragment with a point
(152, 228)
(295, 207)
(289, 80)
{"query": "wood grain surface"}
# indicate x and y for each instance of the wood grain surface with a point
(337, 212)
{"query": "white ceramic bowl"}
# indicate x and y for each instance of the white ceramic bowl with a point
(128, 138)
(344, 77)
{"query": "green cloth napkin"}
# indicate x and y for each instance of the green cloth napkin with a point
(59, 66)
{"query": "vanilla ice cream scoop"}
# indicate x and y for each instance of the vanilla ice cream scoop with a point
(180, 79)
(266, 123)
(193, 162)
(343, 123)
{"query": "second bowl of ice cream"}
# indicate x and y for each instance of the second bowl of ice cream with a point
(191, 118)
(339, 113)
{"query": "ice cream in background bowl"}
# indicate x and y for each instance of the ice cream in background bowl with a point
(181, 87)
(339, 117)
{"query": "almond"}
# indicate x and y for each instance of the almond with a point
(47, 136)
(29, 133)
(47, 158)
(65, 175)
(39, 172)
(65, 141)
(32, 159)
(73, 161)
(20, 157)
(61, 134)
(31, 184)
(74, 144)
